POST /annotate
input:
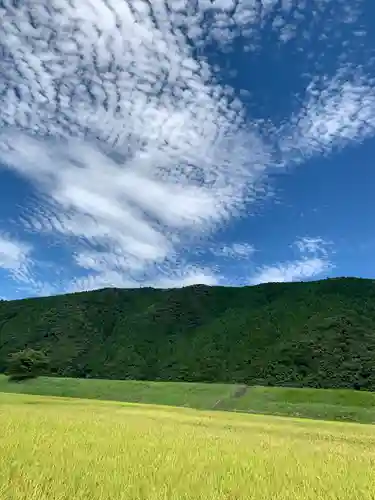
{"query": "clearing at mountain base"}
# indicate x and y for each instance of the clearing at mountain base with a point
(345, 405)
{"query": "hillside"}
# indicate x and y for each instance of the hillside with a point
(316, 334)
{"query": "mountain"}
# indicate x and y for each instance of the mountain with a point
(316, 334)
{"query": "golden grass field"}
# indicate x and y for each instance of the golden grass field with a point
(73, 449)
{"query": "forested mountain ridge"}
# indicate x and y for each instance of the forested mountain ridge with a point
(317, 334)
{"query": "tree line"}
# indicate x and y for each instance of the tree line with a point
(313, 334)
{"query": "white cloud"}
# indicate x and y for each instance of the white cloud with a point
(343, 112)
(15, 257)
(189, 277)
(222, 21)
(171, 154)
(234, 251)
(132, 144)
(313, 246)
(18, 261)
(313, 261)
(169, 277)
(291, 271)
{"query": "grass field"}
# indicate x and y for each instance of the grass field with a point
(197, 396)
(64, 449)
(335, 404)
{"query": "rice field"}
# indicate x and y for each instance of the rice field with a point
(75, 449)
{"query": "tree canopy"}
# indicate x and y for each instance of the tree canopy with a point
(317, 334)
(27, 363)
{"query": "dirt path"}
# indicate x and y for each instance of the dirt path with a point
(238, 392)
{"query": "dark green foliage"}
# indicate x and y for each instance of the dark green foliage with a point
(26, 364)
(315, 334)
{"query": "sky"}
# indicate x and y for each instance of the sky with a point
(167, 143)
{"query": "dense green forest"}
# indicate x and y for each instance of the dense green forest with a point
(316, 334)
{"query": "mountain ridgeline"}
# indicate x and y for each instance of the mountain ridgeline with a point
(313, 334)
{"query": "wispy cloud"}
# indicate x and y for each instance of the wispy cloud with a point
(133, 145)
(313, 246)
(15, 257)
(314, 260)
(19, 263)
(291, 271)
(333, 115)
(222, 21)
(234, 251)
(159, 149)
(164, 276)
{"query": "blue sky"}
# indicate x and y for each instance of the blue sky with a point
(174, 142)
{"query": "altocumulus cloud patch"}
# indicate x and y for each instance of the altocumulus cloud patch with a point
(137, 148)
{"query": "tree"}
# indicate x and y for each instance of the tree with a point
(26, 364)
